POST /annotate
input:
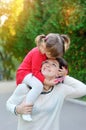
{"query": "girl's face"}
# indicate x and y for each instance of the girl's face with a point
(50, 68)
(49, 55)
(42, 48)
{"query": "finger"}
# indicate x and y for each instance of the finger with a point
(60, 70)
(30, 105)
(63, 67)
(27, 111)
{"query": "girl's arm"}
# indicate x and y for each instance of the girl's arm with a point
(37, 61)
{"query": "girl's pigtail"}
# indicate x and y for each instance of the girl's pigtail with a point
(39, 39)
(66, 42)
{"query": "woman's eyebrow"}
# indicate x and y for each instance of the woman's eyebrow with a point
(45, 62)
(56, 63)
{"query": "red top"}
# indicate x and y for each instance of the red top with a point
(31, 64)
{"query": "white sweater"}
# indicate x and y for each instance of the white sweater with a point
(47, 108)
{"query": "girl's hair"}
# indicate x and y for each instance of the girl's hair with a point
(39, 39)
(56, 44)
(66, 42)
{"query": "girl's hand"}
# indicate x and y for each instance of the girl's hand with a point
(62, 72)
(23, 108)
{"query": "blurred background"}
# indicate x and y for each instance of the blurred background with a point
(22, 20)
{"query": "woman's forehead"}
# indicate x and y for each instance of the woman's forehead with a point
(51, 61)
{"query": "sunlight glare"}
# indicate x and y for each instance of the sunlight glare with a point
(3, 18)
(6, 1)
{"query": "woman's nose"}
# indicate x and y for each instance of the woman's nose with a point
(47, 65)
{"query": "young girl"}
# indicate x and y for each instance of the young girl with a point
(50, 46)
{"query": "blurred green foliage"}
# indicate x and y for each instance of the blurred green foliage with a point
(46, 16)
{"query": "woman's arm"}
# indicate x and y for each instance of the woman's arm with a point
(17, 98)
(21, 108)
(74, 88)
(10, 105)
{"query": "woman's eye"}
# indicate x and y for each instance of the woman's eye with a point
(45, 62)
(54, 65)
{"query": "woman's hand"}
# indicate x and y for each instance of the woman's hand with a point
(24, 108)
(62, 72)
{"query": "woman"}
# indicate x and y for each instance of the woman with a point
(50, 46)
(47, 108)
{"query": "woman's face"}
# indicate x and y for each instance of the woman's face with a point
(50, 68)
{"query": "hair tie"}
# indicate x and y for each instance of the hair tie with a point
(46, 38)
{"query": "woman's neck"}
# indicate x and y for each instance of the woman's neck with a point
(46, 88)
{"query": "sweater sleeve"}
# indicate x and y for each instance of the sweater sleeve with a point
(74, 88)
(10, 105)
